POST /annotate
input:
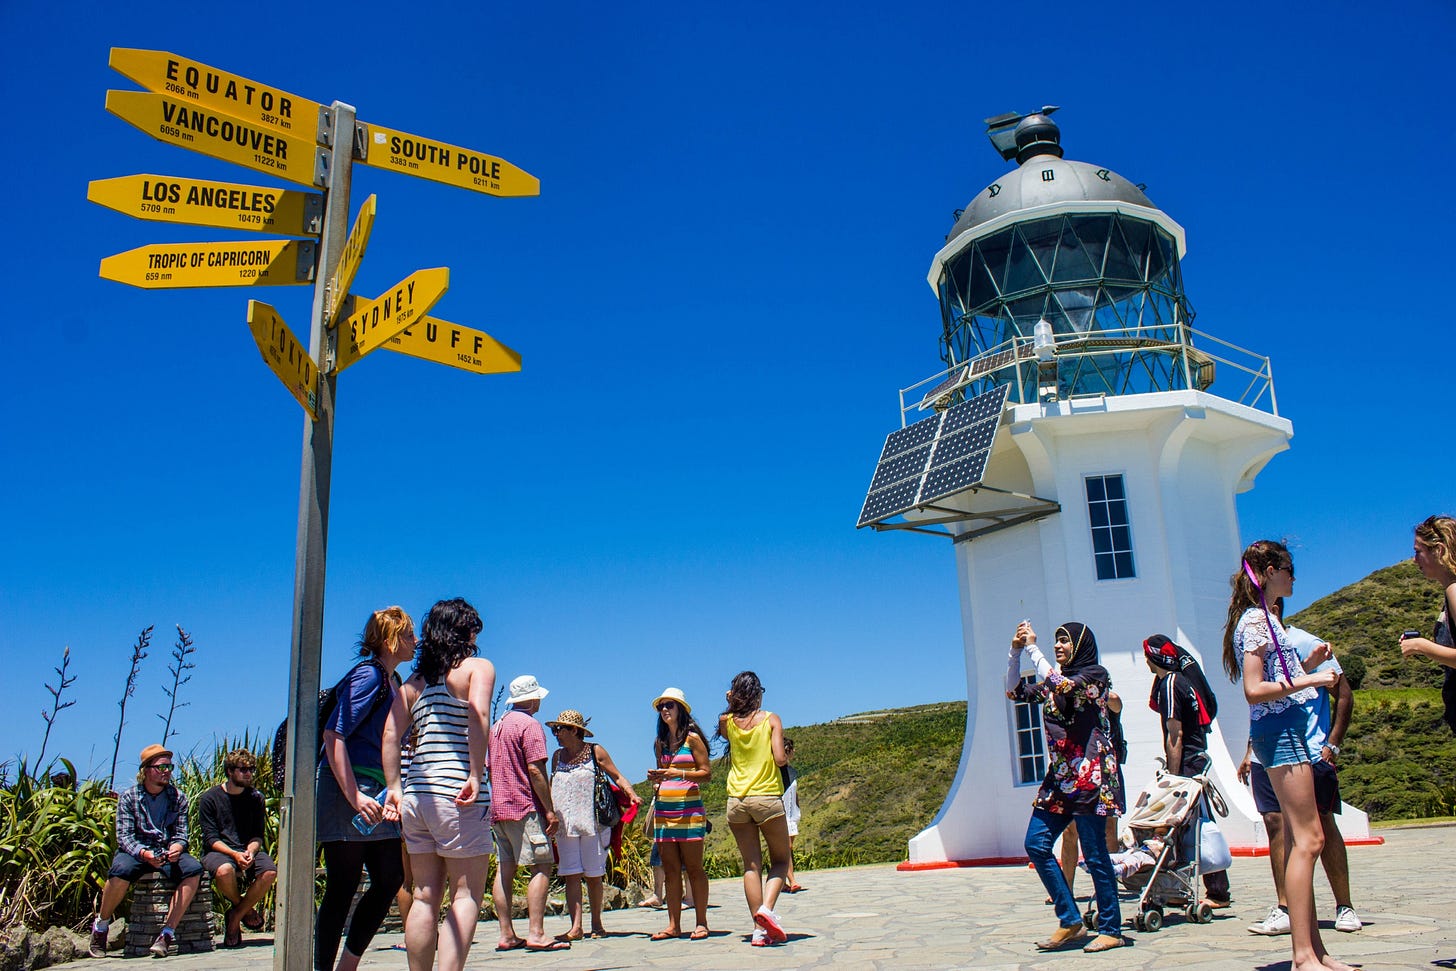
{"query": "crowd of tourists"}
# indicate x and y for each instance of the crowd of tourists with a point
(1299, 710)
(419, 789)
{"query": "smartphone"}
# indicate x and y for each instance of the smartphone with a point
(1409, 633)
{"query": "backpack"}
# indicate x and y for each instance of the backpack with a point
(328, 701)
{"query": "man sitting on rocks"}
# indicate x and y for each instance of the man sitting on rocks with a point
(231, 817)
(151, 837)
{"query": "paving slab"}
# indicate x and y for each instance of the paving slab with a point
(876, 917)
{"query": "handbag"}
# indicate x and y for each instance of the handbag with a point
(1213, 848)
(604, 796)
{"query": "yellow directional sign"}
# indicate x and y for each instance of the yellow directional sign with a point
(285, 355)
(269, 263)
(350, 259)
(195, 82)
(225, 205)
(459, 346)
(373, 322)
(211, 132)
(385, 148)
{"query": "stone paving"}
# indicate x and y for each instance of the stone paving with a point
(876, 917)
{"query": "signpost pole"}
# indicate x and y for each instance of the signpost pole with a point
(293, 947)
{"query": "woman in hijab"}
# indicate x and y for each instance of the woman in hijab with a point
(1083, 782)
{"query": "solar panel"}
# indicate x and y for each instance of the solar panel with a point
(935, 457)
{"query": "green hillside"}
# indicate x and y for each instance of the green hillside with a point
(1365, 619)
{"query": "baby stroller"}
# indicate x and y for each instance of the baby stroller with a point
(1173, 809)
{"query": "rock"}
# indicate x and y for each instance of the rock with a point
(115, 935)
(56, 946)
(14, 949)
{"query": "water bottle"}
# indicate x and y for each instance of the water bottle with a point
(1028, 669)
(364, 826)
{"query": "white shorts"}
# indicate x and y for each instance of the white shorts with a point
(434, 824)
(584, 855)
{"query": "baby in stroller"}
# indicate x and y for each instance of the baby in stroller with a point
(1143, 856)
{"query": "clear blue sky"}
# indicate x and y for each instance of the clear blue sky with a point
(717, 295)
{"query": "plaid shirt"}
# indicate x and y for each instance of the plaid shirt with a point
(136, 830)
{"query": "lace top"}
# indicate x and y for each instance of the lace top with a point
(571, 793)
(1252, 634)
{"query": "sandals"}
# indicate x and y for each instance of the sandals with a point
(552, 946)
(1104, 942)
(514, 945)
(665, 936)
(699, 934)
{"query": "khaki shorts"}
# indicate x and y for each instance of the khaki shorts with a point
(434, 824)
(756, 810)
(522, 842)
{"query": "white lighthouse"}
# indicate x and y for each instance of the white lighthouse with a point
(1081, 452)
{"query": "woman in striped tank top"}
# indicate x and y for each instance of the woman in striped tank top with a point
(681, 754)
(442, 806)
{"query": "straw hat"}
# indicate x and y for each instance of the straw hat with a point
(672, 694)
(572, 718)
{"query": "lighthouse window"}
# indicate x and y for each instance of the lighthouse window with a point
(1111, 532)
(1030, 743)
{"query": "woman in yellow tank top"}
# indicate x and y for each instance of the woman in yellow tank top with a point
(755, 800)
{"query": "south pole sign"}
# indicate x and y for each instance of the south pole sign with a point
(278, 134)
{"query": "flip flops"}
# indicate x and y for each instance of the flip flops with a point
(552, 946)
(514, 945)
(253, 920)
(664, 936)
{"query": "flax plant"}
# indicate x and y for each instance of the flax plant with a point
(57, 706)
(180, 664)
(138, 652)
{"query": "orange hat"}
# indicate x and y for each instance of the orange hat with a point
(153, 752)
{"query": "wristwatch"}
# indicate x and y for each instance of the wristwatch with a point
(1333, 747)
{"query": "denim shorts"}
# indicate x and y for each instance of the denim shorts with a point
(1282, 738)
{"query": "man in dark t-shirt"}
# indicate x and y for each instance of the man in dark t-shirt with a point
(1185, 716)
(231, 817)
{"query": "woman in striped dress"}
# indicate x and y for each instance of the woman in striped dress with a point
(442, 806)
(679, 823)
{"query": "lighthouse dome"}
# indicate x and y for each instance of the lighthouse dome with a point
(1045, 180)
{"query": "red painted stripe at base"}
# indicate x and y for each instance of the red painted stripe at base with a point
(909, 866)
(1246, 850)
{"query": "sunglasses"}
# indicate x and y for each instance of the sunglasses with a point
(245, 768)
(161, 768)
(667, 706)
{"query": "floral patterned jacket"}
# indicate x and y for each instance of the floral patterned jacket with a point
(1082, 777)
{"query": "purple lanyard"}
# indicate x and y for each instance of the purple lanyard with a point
(1273, 638)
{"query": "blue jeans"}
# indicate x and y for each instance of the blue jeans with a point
(1042, 833)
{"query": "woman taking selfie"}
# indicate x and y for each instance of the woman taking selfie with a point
(1083, 783)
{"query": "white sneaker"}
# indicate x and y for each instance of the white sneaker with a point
(1273, 925)
(1347, 920)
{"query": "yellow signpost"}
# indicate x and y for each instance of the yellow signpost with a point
(456, 345)
(284, 353)
(351, 257)
(160, 266)
(224, 205)
(385, 148)
(195, 82)
(206, 130)
(371, 323)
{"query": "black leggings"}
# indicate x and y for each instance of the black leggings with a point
(343, 864)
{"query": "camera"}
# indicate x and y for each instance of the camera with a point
(1409, 633)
